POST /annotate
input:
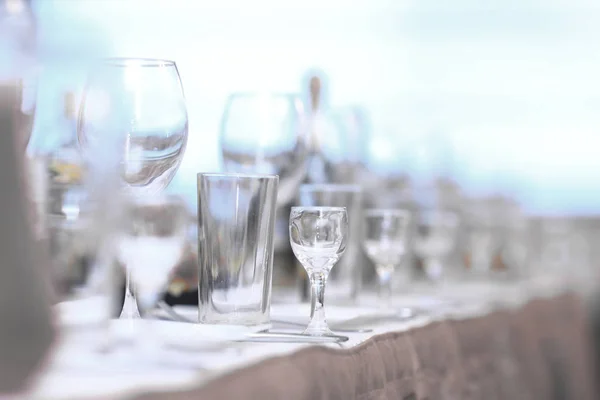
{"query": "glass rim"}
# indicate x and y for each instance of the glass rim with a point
(392, 212)
(236, 175)
(138, 62)
(330, 187)
(318, 208)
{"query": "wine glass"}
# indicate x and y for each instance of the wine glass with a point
(318, 236)
(266, 133)
(435, 241)
(133, 116)
(385, 242)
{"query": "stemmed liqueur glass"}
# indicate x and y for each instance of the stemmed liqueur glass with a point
(318, 237)
(385, 242)
(133, 111)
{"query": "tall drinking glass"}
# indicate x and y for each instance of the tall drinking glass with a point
(385, 242)
(236, 217)
(344, 281)
(318, 236)
(134, 109)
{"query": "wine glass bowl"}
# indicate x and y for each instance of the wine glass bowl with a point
(385, 241)
(318, 237)
(266, 133)
(137, 108)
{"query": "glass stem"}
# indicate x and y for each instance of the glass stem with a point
(130, 308)
(385, 284)
(318, 322)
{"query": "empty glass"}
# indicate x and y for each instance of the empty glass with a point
(436, 239)
(345, 280)
(318, 237)
(152, 243)
(133, 114)
(236, 217)
(385, 242)
(266, 133)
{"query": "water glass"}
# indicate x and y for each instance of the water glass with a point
(236, 218)
(385, 242)
(436, 239)
(318, 236)
(345, 280)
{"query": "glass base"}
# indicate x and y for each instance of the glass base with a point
(318, 328)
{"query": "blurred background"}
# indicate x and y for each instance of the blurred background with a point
(501, 95)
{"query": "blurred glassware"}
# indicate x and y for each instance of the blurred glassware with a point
(345, 281)
(326, 141)
(435, 241)
(353, 131)
(152, 243)
(135, 109)
(484, 236)
(385, 241)
(565, 250)
(236, 217)
(55, 163)
(139, 105)
(318, 237)
(516, 252)
(386, 185)
(265, 133)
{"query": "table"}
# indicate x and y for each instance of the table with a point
(513, 341)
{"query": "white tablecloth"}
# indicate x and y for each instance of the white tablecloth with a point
(74, 372)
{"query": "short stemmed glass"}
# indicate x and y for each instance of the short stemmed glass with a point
(435, 240)
(318, 236)
(385, 242)
(151, 244)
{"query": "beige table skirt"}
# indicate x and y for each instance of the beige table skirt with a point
(540, 351)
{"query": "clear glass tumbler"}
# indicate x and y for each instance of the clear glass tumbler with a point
(236, 218)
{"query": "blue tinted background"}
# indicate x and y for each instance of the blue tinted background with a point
(512, 88)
